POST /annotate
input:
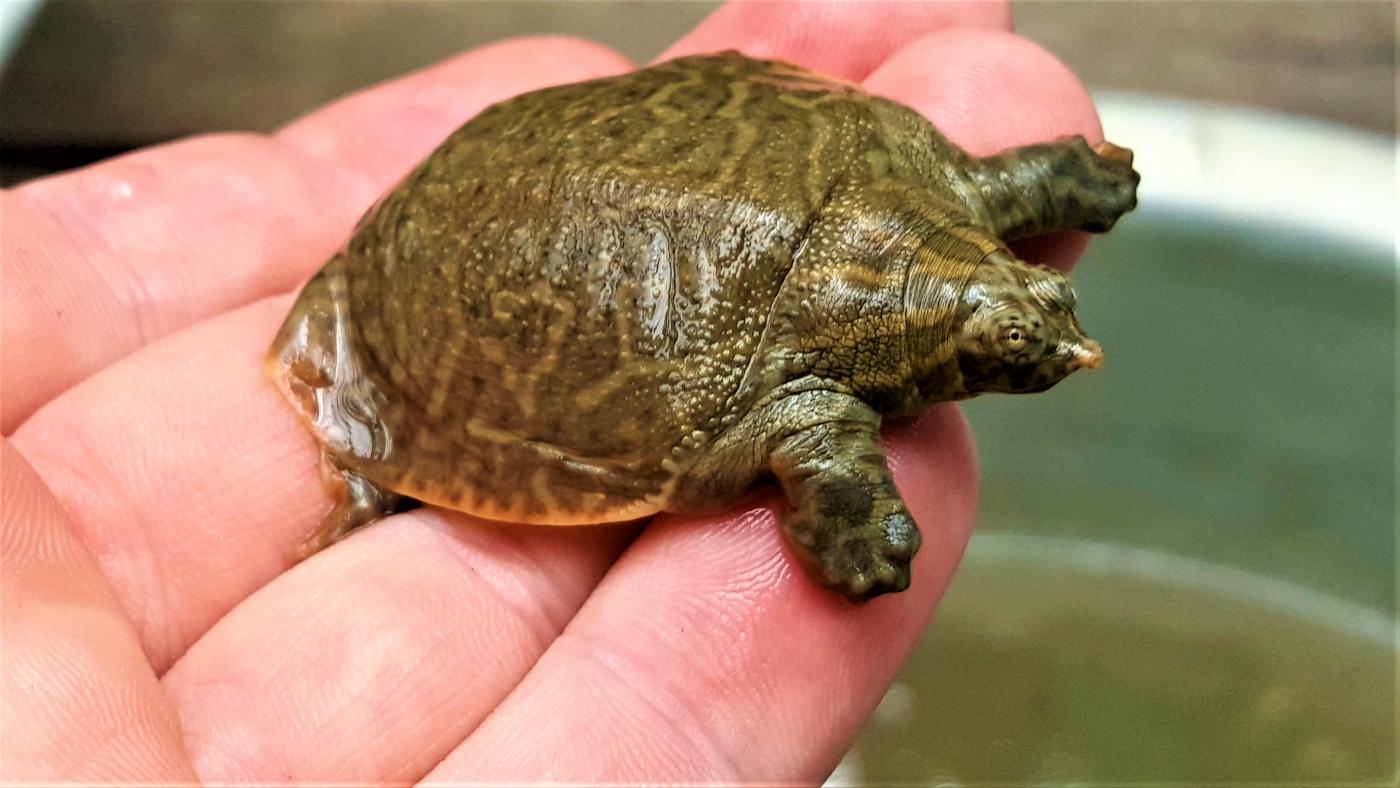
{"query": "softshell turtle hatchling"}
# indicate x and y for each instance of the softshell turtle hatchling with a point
(604, 300)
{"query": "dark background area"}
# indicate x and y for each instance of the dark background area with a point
(96, 77)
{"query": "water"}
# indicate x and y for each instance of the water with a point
(1084, 663)
(1185, 564)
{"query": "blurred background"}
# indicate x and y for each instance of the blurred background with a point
(1185, 568)
(91, 77)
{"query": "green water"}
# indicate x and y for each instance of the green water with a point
(1185, 567)
(1042, 669)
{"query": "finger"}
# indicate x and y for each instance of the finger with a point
(988, 91)
(383, 132)
(843, 39)
(706, 656)
(185, 472)
(103, 260)
(389, 649)
(81, 704)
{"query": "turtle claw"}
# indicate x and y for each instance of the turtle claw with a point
(1115, 153)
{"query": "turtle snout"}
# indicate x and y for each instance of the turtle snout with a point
(1085, 354)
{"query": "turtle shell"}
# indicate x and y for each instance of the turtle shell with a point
(565, 302)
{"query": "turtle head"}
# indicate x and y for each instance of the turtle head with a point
(1016, 331)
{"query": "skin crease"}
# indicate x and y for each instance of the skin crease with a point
(174, 618)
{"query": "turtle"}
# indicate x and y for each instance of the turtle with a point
(650, 292)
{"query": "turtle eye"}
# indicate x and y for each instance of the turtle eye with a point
(1015, 338)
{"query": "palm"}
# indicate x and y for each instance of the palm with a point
(156, 625)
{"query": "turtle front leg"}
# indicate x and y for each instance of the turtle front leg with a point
(846, 519)
(1065, 185)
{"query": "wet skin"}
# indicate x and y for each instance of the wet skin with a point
(646, 293)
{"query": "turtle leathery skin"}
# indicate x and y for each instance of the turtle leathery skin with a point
(604, 300)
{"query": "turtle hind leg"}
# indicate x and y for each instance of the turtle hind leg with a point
(358, 502)
(1065, 185)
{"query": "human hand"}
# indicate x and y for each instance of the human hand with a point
(156, 626)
